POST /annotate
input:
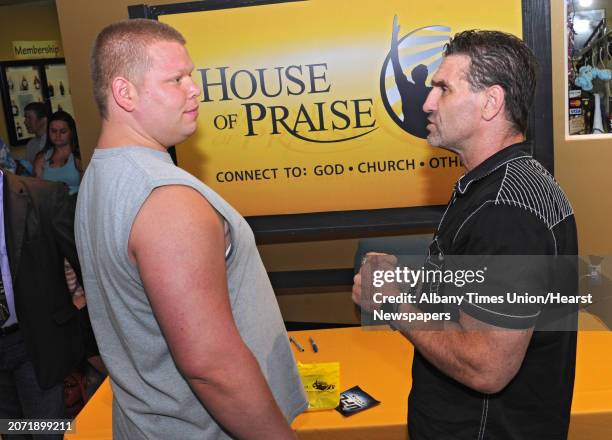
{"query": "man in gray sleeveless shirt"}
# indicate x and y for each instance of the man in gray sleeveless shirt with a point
(183, 312)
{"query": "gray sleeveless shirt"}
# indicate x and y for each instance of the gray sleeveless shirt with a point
(152, 400)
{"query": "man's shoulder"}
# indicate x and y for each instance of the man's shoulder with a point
(35, 144)
(526, 184)
(518, 200)
(122, 178)
(140, 161)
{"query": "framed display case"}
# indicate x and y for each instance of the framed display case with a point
(588, 44)
(22, 82)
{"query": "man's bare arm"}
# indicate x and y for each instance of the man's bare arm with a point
(177, 242)
(478, 355)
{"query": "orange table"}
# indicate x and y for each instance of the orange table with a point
(379, 362)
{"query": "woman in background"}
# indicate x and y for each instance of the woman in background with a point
(60, 160)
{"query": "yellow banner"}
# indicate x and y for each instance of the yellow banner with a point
(302, 105)
(27, 50)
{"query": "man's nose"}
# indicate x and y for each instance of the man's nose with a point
(194, 89)
(430, 103)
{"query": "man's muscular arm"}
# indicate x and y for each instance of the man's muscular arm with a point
(177, 243)
(478, 355)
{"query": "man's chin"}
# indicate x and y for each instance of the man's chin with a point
(434, 140)
(190, 132)
(184, 136)
(437, 142)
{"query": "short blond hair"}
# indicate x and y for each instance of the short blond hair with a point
(121, 49)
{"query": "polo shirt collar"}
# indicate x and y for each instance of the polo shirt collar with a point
(499, 159)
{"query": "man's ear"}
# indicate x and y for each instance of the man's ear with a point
(124, 93)
(494, 102)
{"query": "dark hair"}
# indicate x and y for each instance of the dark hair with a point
(40, 109)
(498, 58)
(61, 115)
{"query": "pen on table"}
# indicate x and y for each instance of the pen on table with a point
(313, 344)
(296, 343)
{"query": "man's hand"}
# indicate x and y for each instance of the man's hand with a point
(363, 282)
